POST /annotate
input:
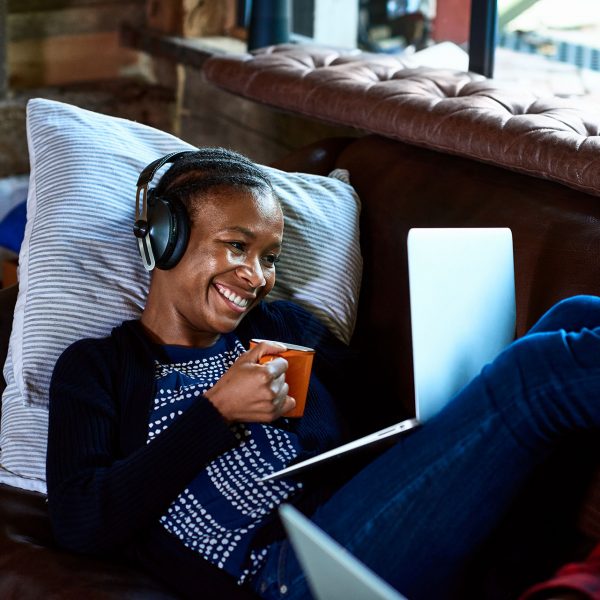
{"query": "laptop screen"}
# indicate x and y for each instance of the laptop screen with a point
(462, 305)
(331, 571)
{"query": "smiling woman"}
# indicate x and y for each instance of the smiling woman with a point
(195, 408)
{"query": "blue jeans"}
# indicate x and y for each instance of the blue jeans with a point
(419, 512)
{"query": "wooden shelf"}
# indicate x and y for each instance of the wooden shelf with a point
(191, 52)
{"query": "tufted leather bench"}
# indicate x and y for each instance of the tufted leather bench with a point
(453, 112)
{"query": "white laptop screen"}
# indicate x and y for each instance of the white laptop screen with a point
(462, 304)
(331, 571)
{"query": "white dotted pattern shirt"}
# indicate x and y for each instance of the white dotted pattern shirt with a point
(219, 512)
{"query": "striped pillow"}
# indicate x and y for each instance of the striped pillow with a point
(80, 272)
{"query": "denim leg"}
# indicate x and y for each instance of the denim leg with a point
(419, 512)
(281, 577)
(572, 314)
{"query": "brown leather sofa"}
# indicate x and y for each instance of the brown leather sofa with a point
(450, 150)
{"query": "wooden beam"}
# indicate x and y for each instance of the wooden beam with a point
(217, 17)
(3, 49)
(26, 6)
(165, 16)
(191, 18)
(188, 52)
(74, 21)
(67, 59)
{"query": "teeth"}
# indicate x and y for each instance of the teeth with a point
(237, 300)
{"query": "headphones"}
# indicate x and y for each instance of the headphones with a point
(162, 224)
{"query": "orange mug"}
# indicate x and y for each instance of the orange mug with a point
(297, 376)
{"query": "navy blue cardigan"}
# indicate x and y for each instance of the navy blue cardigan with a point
(107, 487)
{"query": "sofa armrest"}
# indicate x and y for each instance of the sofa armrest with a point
(31, 567)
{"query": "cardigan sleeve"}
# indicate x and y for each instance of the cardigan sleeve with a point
(583, 577)
(99, 497)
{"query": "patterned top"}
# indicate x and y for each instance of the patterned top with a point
(219, 511)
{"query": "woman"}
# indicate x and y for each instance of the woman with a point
(159, 433)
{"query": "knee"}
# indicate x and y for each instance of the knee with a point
(571, 314)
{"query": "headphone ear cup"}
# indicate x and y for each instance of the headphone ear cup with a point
(177, 236)
(162, 229)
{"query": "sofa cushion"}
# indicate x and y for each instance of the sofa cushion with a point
(81, 274)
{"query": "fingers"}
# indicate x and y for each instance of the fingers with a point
(265, 348)
(282, 405)
(254, 390)
(287, 405)
(280, 390)
(281, 402)
(276, 367)
(278, 387)
(278, 408)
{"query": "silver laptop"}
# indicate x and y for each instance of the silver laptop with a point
(331, 571)
(462, 308)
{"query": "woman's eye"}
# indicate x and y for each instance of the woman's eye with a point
(237, 245)
(271, 260)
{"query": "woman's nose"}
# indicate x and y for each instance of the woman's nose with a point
(252, 272)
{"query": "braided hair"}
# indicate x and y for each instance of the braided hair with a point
(207, 168)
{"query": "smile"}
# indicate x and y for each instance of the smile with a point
(232, 297)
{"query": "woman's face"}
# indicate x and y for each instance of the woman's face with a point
(227, 268)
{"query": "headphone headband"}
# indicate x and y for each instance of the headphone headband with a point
(147, 175)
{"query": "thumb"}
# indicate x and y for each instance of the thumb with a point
(265, 348)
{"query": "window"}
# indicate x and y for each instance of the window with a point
(551, 46)
(547, 46)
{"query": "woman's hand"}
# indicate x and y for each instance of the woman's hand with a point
(250, 391)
